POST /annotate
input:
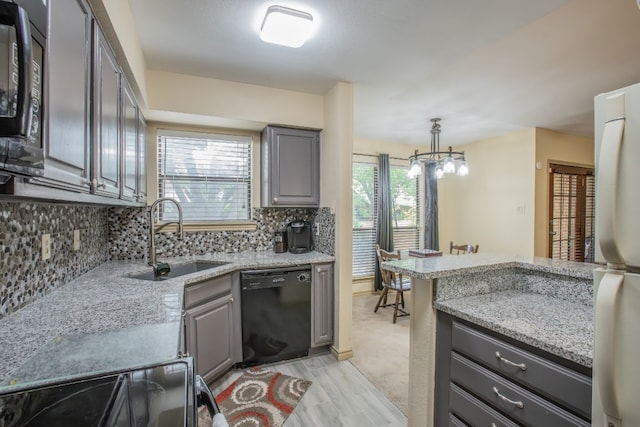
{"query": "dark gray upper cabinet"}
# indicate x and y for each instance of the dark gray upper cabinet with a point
(142, 159)
(93, 145)
(67, 147)
(322, 305)
(290, 167)
(106, 118)
(129, 159)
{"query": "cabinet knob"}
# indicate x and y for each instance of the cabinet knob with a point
(231, 300)
(318, 269)
(86, 183)
(102, 184)
(275, 200)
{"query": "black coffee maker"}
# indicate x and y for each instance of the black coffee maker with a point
(299, 237)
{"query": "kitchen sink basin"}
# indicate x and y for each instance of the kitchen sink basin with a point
(179, 270)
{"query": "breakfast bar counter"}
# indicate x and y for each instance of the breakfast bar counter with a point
(541, 302)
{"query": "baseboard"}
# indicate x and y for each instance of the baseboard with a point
(341, 356)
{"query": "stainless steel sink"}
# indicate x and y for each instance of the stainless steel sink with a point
(179, 270)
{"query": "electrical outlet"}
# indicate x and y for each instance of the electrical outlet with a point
(46, 247)
(76, 240)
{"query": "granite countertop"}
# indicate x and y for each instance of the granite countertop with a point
(541, 302)
(554, 325)
(453, 265)
(106, 320)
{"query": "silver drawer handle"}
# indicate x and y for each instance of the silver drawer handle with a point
(519, 404)
(509, 362)
(493, 425)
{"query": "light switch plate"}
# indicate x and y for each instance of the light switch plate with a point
(76, 240)
(46, 247)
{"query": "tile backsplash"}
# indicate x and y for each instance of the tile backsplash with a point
(115, 233)
(129, 233)
(23, 275)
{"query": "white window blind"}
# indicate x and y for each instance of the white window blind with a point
(209, 174)
(406, 214)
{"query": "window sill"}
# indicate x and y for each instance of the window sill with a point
(190, 227)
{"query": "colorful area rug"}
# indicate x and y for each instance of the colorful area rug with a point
(261, 398)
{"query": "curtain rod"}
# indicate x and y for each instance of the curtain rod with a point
(375, 155)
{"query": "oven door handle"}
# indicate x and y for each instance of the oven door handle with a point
(205, 398)
(20, 125)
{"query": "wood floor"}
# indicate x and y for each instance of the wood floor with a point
(339, 396)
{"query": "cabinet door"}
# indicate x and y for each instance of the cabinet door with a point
(322, 305)
(106, 119)
(291, 167)
(129, 143)
(209, 333)
(141, 174)
(67, 153)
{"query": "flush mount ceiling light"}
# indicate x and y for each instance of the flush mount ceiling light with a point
(446, 161)
(285, 26)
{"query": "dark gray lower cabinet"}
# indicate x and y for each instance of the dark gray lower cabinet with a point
(322, 305)
(485, 379)
(212, 327)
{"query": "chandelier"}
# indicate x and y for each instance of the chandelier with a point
(446, 161)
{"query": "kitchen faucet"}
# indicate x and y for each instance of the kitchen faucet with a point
(164, 268)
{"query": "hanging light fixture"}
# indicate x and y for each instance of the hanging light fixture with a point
(447, 162)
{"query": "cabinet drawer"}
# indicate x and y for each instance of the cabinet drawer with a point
(508, 397)
(208, 289)
(474, 412)
(455, 422)
(560, 384)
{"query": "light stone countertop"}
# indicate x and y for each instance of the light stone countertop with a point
(452, 265)
(541, 302)
(106, 320)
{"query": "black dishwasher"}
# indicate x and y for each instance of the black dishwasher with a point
(276, 314)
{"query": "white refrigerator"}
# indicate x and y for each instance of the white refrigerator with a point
(616, 350)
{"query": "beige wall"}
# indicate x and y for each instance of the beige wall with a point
(260, 105)
(554, 147)
(335, 193)
(494, 205)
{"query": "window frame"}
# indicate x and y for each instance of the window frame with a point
(154, 130)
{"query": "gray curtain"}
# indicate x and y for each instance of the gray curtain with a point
(430, 207)
(384, 226)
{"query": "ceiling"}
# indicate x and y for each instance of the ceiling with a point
(485, 67)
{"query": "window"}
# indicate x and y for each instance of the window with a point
(406, 231)
(209, 174)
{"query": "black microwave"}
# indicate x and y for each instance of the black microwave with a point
(23, 29)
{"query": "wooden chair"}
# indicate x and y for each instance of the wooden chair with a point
(463, 249)
(394, 282)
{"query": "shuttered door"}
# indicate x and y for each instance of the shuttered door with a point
(571, 228)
